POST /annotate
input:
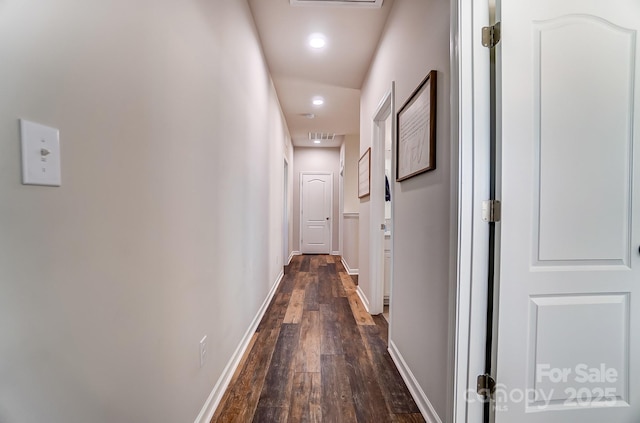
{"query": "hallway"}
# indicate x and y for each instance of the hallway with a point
(317, 356)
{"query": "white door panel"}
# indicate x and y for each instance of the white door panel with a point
(569, 303)
(316, 207)
(583, 115)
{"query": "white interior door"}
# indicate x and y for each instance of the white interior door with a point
(569, 296)
(315, 212)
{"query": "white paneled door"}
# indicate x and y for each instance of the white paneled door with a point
(569, 296)
(315, 212)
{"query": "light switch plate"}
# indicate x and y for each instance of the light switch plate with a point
(40, 154)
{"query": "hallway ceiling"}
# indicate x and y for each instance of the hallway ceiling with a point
(335, 73)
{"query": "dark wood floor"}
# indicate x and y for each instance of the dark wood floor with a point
(317, 356)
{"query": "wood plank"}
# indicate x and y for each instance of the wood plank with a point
(308, 354)
(286, 285)
(383, 328)
(294, 266)
(408, 418)
(271, 414)
(279, 379)
(311, 294)
(337, 289)
(347, 283)
(398, 397)
(296, 305)
(305, 399)
(314, 263)
(330, 342)
(359, 312)
(304, 264)
(241, 398)
(336, 391)
(301, 279)
(275, 312)
(325, 293)
(368, 400)
(243, 360)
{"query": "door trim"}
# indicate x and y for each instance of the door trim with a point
(331, 218)
(385, 108)
(285, 213)
(471, 134)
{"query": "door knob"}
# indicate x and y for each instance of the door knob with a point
(327, 218)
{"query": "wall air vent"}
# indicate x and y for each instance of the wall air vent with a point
(375, 4)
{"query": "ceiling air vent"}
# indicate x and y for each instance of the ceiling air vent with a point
(348, 3)
(321, 136)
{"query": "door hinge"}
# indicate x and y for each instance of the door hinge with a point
(491, 211)
(491, 35)
(486, 386)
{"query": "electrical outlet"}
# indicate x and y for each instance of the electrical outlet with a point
(203, 350)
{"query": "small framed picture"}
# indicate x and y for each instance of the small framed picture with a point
(364, 174)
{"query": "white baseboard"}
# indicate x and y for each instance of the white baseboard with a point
(427, 410)
(349, 270)
(209, 408)
(335, 253)
(363, 298)
(293, 253)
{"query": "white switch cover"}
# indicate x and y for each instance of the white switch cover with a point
(40, 154)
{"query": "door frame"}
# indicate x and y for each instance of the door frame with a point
(470, 128)
(385, 108)
(330, 174)
(341, 202)
(285, 213)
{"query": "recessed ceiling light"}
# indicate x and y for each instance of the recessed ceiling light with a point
(318, 101)
(316, 141)
(317, 41)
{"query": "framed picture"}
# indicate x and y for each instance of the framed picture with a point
(416, 131)
(364, 174)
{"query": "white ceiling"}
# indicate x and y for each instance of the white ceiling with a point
(335, 73)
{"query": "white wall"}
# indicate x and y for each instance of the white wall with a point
(350, 225)
(351, 157)
(320, 159)
(416, 41)
(108, 283)
(350, 252)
